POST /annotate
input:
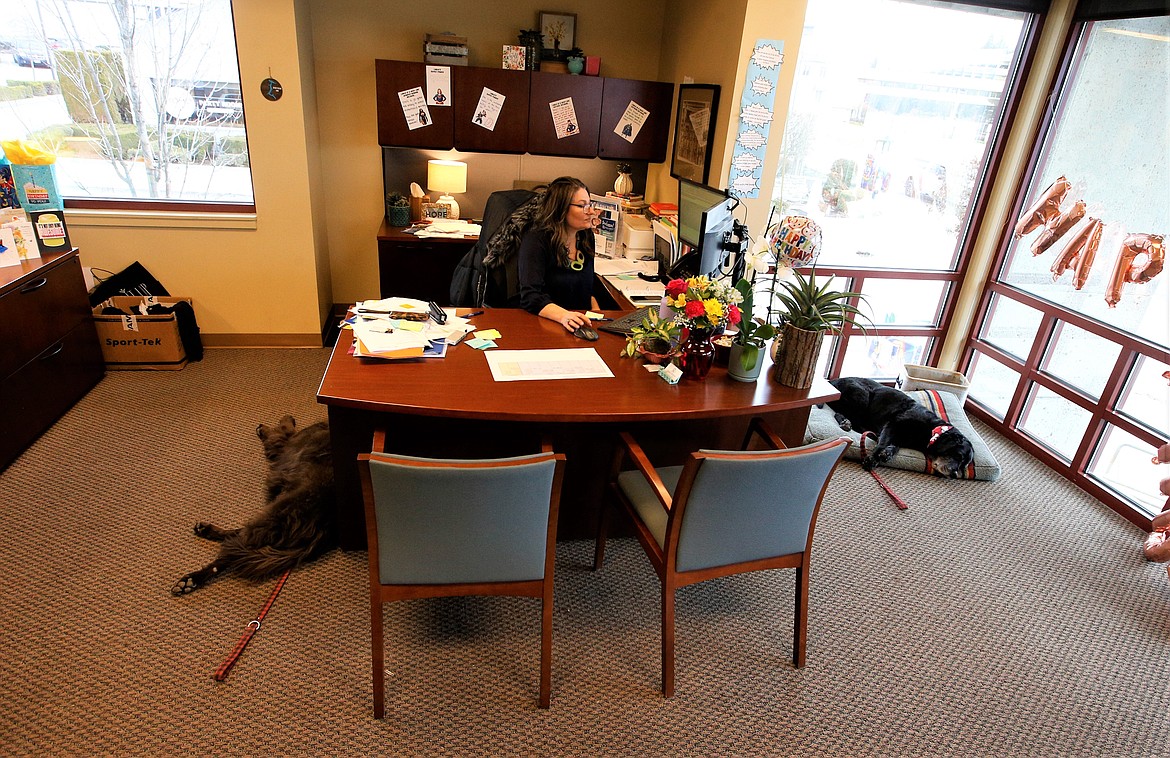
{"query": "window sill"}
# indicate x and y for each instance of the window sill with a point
(79, 217)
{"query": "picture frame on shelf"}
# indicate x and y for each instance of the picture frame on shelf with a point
(558, 34)
(432, 211)
(694, 132)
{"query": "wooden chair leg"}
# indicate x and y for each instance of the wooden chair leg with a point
(800, 617)
(377, 660)
(546, 630)
(667, 640)
(602, 531)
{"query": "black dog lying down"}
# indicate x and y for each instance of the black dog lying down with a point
(298, 525)
(899, 422)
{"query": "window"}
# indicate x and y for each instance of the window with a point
(891, 126)
(1070, 358)
(139, 100)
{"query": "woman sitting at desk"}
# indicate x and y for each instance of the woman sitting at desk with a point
(555, 266)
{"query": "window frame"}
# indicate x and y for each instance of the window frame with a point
(1103, 413)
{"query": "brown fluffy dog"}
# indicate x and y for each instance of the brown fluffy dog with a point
(299, 523)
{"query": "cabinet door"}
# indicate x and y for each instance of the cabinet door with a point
(585, 92)
(510, 133)
(421, 269)
(393, 77)
(650, 142)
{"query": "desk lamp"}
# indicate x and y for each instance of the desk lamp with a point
(447, 177)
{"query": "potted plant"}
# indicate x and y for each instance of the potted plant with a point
(655, 339)
(397, 209)
(744, 362)
(807, 310)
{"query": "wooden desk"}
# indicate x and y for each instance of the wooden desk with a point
(451, 407)
(409, 266)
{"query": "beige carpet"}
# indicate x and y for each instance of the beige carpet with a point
(1012, 618)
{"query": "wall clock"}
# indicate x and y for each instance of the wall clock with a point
(271, 89)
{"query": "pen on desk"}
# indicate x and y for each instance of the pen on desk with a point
(473, 314)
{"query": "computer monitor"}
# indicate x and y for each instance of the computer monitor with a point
(705, 223)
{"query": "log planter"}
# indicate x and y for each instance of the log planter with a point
(796, 358)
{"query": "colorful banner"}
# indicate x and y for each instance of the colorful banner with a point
(755, 118)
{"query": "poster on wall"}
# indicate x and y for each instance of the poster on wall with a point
(564, 117)
(487, 110)
(756, 108)
(414, 108)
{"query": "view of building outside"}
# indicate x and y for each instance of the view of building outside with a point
(138, 100)
(1110, 148)
(893, 108)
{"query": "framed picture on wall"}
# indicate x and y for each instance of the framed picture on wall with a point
(694, 131)
(558, 34)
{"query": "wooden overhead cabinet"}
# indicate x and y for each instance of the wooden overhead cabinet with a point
(625, 98)
(394, 77)
(510, 131)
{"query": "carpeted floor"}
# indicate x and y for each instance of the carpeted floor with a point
(1014, 618)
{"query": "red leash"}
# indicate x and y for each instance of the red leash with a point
(225, 668)
(897, 500)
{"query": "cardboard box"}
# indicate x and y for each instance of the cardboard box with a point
(140, 342)
(926, 378)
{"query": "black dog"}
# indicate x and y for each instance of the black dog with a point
(298, 525)
(899, 422)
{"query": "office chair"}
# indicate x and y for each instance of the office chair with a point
(443, 527)
(724, 513)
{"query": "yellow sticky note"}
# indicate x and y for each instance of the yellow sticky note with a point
(593, 315)
(487, 334)
(408, 326)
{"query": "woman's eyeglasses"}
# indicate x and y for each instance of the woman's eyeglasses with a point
(582, 206)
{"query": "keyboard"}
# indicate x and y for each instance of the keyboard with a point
(625, 324)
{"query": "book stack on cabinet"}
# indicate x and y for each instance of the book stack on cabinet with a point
(445, 49)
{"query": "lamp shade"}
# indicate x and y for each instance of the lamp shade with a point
(447, 176)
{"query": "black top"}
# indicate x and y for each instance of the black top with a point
(542, 281)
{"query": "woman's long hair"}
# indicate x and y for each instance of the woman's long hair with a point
(550, 218)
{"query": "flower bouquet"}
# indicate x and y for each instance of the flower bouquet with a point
(702, 305)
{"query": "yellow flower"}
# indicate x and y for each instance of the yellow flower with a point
(714, 309)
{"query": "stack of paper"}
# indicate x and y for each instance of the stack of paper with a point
(392, 328)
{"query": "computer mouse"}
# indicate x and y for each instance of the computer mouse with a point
(586, 333)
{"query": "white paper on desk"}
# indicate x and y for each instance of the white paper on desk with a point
(404, 304)
(449, 228)
(373, 341)
(617, 266)
(566, 363)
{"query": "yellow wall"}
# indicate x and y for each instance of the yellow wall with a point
(260, 285)
(317, 167)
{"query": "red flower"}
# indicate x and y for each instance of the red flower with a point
(733, 314)
(676, 287)
(695, 309)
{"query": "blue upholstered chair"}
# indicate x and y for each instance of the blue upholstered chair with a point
(724, 513)
(441, 527)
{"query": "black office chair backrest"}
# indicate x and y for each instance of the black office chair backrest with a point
(487, 275)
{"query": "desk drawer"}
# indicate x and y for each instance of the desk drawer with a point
(40, 312)
(44, 388)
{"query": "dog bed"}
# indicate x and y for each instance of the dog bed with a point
(822, 426)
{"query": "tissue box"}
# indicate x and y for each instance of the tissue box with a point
(140, 342)
(36, 187)
(926, 378)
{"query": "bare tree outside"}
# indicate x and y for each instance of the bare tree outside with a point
(151, 89)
